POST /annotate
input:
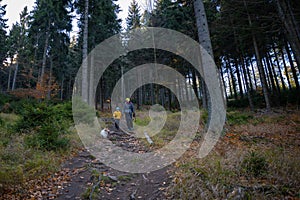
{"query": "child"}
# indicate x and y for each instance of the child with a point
(117, 116)
(104, 132)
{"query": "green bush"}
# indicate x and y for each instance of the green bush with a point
(1, 121)
(254, 164)
(83, 113)
(49, 137)
(238, 118)
(19, 106)
(4, 99)
(46, 124)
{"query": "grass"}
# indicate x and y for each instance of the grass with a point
(242, 169)
(245, 164)
(19, 163)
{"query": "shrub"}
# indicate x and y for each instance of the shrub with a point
(48, 138)
(237, 118)
(46, 124)
(254, 164)
(1, 121)
(83, 113)
(20, 106)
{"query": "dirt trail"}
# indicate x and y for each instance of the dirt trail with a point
(91, 178)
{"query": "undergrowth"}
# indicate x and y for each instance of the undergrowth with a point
(242, 169)
(35, 141)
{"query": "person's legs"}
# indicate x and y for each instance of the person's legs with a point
(130, 123)
(128, 120)
(117, 124)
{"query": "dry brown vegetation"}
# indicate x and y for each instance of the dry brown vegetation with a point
(258, 157)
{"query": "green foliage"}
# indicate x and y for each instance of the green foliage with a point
(254, 164)
(20, 106)
(238, 118)
(9, 175)
(3, 37)
(134, 18)
(240, 103)
(4, 99)
(204, 116)
(46, 124)
(48, 138)
(83, 113)
(1, 121)
(142, 121)
(288, 97)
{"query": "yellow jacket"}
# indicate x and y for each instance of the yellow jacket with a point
(117, 114)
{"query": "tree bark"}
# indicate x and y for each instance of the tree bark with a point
(262, 74)
(205, 42)
(84, 83)
(285, 69)
(9, 74)
(91, 80)
(247, 86)
(259, 64)
(15, 77)
(238, 74)
(253, 72)
(45, 54)
(233, 83)
(50, 80)
(279, 69)
(292, 66)
(272, 78)
(286, 16)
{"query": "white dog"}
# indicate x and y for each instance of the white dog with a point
(104, 132)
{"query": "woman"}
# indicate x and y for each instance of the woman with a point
(129, 112)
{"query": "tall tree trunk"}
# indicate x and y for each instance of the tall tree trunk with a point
(253, 72)
(249, 76)
(274, 73)
(152, 94)
(224, 83)
(186, 90)
(272, 76)
(84, 86)
(50, 80)
(194, 82)
(91, 80)
(286, 16)
(122, 83)
(279, 69)
(262, 75)
(62, 87)
(247, 86)
(259, 64)
(15, 77)
(268, 79)
(285, 69)
(205, 42)
(232, 80)
(45, 54)
(292, 66)
(238, 74)
(170, 99)
(9, 74)
(229, 83)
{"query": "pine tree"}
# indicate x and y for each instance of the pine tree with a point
(50, 25)
(3, 37)
(102, 24)
(134, 17)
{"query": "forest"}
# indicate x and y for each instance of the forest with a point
(255, 45)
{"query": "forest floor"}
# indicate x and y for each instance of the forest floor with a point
(91, 179)
(257, 157)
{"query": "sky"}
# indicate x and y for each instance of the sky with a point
(14, 8)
